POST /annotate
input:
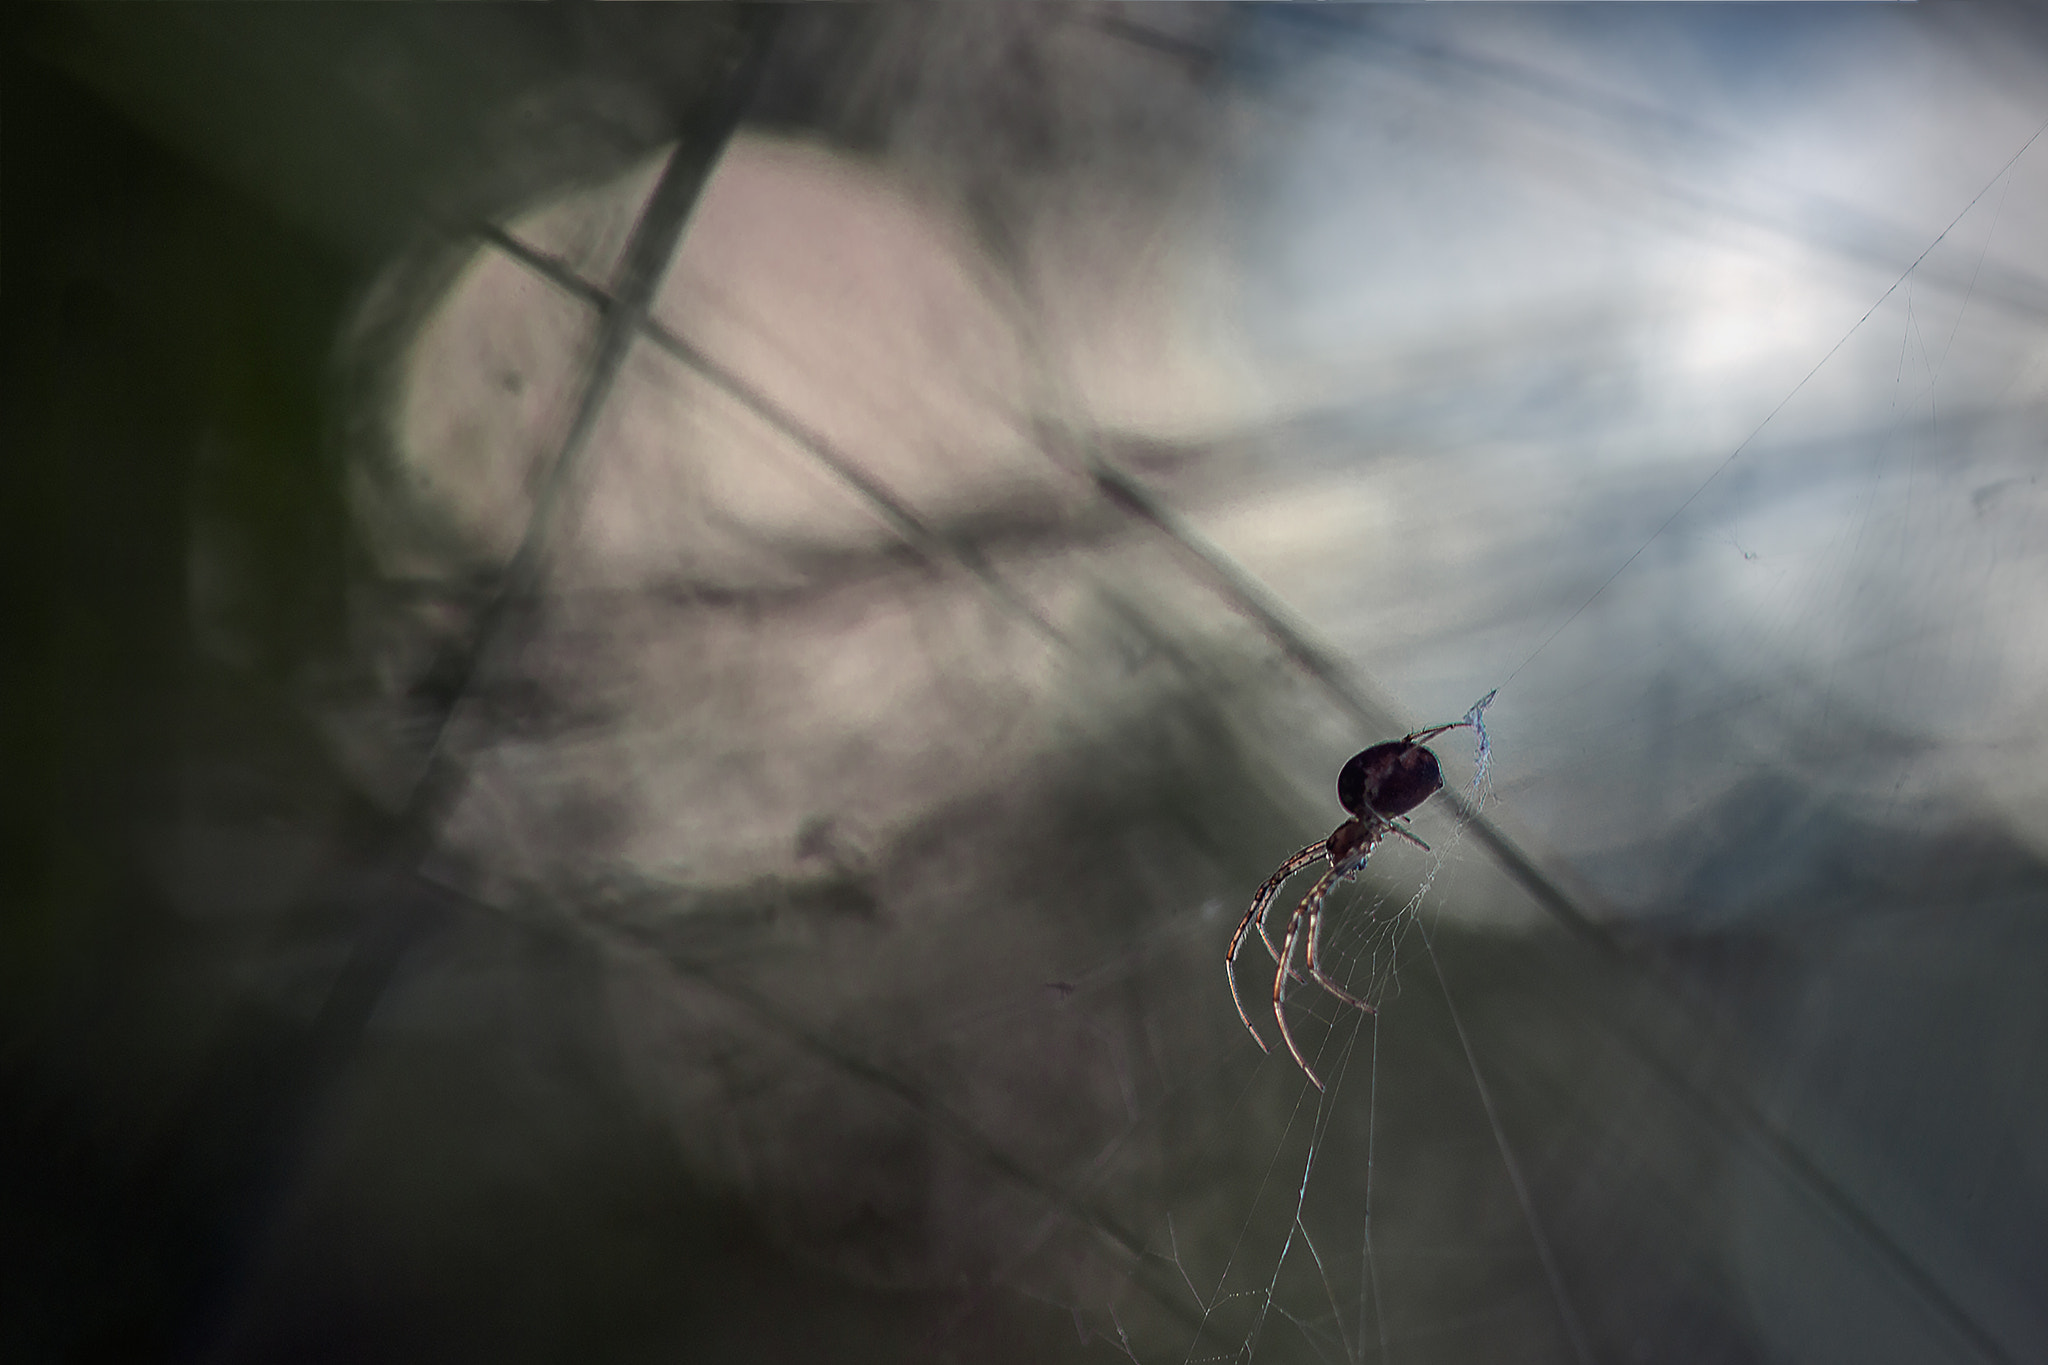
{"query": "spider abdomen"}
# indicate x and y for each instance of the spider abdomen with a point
(1377, 786)
(1390, 779)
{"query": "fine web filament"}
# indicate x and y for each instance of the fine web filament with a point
(1757, 431)
(1552, 1276)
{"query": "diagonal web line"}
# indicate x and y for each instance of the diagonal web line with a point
(1818, 365)
(1552, 1275)
(1371, 1278)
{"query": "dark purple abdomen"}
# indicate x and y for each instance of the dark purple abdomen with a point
(1393, 778)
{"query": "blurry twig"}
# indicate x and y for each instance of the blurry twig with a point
(900, 518)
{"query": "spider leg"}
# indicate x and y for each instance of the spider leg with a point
(1261, 903)
(1387, 824)
(1271, 890)
(1424, 736)
(1315, 945)
(1307, 910)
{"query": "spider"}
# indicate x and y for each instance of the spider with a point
(1378, 786)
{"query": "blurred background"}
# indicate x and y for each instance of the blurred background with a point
(654, 650)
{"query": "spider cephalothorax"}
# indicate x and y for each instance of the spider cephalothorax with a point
(1378, 786)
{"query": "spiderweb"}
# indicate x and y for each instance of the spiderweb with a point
(907, 792)
(870, 539)
(1370, 936)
